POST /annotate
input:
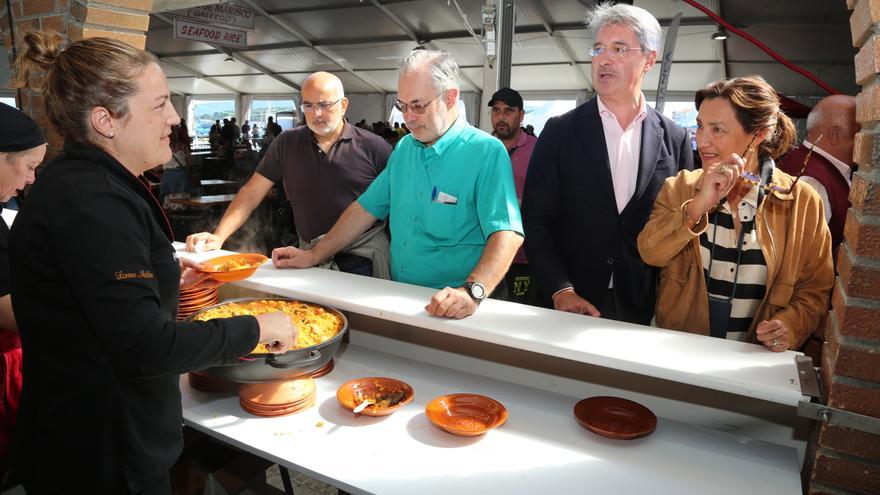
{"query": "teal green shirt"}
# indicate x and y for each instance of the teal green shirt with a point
(444, 201)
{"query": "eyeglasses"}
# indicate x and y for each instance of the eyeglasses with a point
(323, 105)
(615, 51)
(507, 111)
(756, 179)
(418, 108)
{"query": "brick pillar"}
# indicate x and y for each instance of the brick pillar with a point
(127, 20)
(843, 460)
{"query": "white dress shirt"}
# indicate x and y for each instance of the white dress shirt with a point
(624, 148)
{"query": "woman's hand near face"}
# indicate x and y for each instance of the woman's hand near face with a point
(717, 181)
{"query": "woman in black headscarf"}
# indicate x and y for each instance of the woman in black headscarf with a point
(22, 148)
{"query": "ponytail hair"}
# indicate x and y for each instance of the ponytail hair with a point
(784, 137)
(756, 106)
(41, 50)
(89, 73)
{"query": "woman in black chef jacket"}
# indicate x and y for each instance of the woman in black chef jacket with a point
(95, 282)
(22, 148)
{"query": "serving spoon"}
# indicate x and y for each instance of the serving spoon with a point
(360, 407)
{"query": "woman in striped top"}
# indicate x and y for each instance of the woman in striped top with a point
(743, 248)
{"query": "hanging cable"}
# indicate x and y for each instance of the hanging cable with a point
(730, 27)
(467, 24)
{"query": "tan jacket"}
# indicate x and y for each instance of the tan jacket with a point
(794, 239)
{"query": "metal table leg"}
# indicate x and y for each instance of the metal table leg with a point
(285, 478)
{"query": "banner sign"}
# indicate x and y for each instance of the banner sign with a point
(194, 31)
(222, 13)
(666, 64)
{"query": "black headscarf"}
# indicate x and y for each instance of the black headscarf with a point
(18, 132)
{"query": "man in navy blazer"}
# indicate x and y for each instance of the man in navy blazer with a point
(594, 175)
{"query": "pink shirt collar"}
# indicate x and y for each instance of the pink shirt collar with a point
(606, 113)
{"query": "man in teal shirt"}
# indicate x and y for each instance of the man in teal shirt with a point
(448, 189)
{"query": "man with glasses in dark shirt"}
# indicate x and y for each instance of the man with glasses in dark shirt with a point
(448, 188)
(323, 167)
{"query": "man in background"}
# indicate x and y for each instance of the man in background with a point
(830, 167)
(507, 118)
(831, 131)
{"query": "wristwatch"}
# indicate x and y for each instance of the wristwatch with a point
(476, 290)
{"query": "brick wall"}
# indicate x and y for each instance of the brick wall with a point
(127, 20)
(841, 460)
(5, 39)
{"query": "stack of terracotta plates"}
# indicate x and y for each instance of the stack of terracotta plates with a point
(192, 300)
(207, 382)
(318, 373)
(277, 398)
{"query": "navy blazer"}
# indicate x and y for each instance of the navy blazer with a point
(574, 235)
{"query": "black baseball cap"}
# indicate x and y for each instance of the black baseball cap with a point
(509, 96)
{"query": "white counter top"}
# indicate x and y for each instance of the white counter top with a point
(541, 448)
(728, 366)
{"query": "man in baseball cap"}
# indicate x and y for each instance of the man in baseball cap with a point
(507, 118)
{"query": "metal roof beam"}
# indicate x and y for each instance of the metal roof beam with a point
(337, 6)
(262, 68)
(419, 38)
(544, 17)
(196, 74)
(241, 58)
(323, 51)
(413, 36)
(423, 38)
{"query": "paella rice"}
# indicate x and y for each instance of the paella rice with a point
(315, 323)
(233, 265)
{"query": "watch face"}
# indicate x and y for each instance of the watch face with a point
(478, 291)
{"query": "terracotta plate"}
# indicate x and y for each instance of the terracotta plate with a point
(282, 393)
(466, 415)
(614, 417)
(280, 411)
(222, 268)
(353, 392)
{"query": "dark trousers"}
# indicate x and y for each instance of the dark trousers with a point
(520, 286)
(357, 265)
(162, 487)
(608, 307)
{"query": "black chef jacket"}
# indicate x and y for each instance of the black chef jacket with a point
(95, 285)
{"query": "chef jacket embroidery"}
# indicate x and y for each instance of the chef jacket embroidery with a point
(146, 274)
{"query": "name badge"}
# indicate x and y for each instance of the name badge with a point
(441, 197)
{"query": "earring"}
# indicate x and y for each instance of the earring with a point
(111, 135)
